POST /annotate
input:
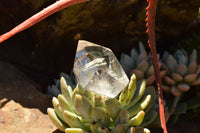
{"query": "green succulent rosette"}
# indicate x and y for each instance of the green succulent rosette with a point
(81, 111)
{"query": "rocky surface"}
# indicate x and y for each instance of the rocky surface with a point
(17, 119)
(22, 105)
(14, 85)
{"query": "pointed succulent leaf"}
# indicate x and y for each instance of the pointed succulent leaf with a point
(129, 92)
(196, 82)
(73, 120)
(134, 54)
(190, 78)
(149, 118)
(64, 103)
(68, 79)
(57, 83)
(169, 81)
(141, 47)
(57, 108)
(100, 115)
(66, 90)
(163, 73)
(150, 80)
(53, 90)
(181, 56)
(56, 121)
(138, 94)
(142, 56)
(171, 63)
(127, 61)
(165, 56)
(123, 96)
(134, 110)
(142, 66)
(136, 120)
(181, 69)
(145, 101)
(192, 67)
(150, 91)
(99, 101)
(177, 77)
(183, 87)
(89, 95)
(120, 128)
(178, 53)
(150, 71)
(184, 52)
(77, 90)
(183, 60)
(75, 130)
(113, 107)
(176, 92)
(139, 74)
(141, 105)
(83, 107)
(131, 88)
(123, 117)
(193, 56)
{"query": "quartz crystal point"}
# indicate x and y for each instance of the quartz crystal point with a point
(97, 69)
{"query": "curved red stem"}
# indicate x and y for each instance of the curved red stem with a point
(151, 13)
(57, 6)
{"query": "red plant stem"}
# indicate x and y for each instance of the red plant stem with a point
(151, 13)
(57, 6)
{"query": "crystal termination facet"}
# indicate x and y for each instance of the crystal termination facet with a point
(97, 69)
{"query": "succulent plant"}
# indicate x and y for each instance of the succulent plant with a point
(183, 71)
(139, 63)
(190, 43)
(152, 117)
(82, 111)
(55, 90)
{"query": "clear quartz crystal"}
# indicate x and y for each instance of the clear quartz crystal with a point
(97, 69)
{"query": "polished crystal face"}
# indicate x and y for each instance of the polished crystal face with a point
(97, 69)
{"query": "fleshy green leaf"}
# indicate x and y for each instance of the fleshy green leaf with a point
(56, 121)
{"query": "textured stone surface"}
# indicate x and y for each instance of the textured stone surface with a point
(14, 85)
(17, 119)
(97, 69)
(22, 105)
